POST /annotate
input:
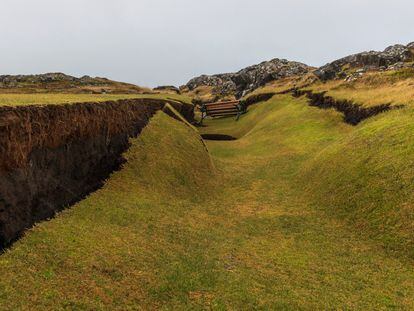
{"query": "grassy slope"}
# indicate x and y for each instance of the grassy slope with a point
(293, 238)
(55, 98)
(117, 247)
(171, 231)
(395, 87)
(367, 177)
(285, 84)
(363, 175)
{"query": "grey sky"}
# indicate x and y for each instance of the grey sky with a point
(155, 42)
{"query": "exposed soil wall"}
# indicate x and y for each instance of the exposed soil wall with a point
(52, 156)
(185, 109)
(353, 113)
(257, 98)
(219, 137)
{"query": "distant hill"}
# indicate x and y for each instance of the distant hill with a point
(60, 82)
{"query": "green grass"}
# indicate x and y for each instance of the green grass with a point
(271, 221)
(112, 247)
(374, 191)
(59, 98)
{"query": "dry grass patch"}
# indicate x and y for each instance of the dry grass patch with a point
(396, 88)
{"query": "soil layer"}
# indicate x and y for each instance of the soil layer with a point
(353, 113)
(52, 156)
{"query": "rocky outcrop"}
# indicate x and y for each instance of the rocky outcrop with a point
(393, 57)
(250, 78)
(52, 156)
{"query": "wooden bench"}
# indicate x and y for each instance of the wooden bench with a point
(222, 109)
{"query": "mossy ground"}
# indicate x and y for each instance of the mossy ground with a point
(271, 221)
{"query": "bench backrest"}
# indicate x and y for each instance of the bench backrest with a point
(220, 109)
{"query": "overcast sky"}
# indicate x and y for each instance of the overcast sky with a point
(156, 42)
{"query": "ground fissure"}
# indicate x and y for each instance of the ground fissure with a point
(353, 113)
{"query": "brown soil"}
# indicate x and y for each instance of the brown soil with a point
(254, 99)
(185, 109)
(52, 156)
(220, 137)
(353, 113)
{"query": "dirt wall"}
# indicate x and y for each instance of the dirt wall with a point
(353, 113)
(53, 156)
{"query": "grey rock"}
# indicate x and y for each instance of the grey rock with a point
(250, 78)
(368, 60)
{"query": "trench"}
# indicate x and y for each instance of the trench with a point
(55, 155)
(353, 113)
(218, 137)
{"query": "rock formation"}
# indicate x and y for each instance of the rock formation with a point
(250, 78)
(394, 57)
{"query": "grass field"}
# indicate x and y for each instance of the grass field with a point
(60, 98)
(302, 212)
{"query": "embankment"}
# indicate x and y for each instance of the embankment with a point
(257, 98)
(366, 178)
(52, 156)
(353, 113)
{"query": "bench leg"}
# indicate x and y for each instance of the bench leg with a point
(203, 116)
